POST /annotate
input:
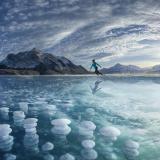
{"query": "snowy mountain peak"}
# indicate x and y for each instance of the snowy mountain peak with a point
(36, 50)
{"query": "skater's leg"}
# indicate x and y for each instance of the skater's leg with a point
(96, 71)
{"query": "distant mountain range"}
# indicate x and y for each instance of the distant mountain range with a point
(35, 62)
(119, 68)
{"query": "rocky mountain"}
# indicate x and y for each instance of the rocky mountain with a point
(37, 62)
(119, 68)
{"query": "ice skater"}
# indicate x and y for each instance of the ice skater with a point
(95, 65)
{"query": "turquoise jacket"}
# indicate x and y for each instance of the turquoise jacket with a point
(94, 65)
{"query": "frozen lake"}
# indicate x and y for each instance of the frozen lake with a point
(103, 118)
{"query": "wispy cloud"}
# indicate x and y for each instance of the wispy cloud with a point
(108, 30)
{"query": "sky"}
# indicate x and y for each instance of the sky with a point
(110, 31)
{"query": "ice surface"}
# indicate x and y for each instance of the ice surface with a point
(49, 110)
(129, 105)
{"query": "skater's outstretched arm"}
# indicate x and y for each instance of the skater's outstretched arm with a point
(99, 65)
(91, 66)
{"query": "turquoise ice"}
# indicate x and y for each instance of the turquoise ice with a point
(120, 120)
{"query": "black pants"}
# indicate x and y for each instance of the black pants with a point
(97, 71)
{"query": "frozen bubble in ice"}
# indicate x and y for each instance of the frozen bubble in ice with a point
(7, 140)
(19, 114)
(111, 156)
(61, 130)
(30, 125)
(31, 141)
(110, 133)
(23, 107)
(4, 113)
(30, 121)
(88, 144)
(89, 154)
(5, 130)
(131, 149)
(131, 152)
(90, 111)
(60, 122)
(48, 157)
(48, 146)
(31, 130)
(86, 133)
(6, 143)
(4, 109)
(67, 156)
(88, 125)
(9, 156)
(18, 117)
(131, 144)
(86, 129)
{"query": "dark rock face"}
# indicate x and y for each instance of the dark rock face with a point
(18, 72)
(43, 63)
